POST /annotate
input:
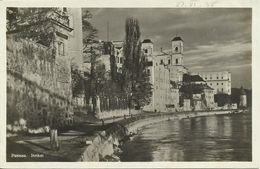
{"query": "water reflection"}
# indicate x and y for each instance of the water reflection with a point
(212, 138)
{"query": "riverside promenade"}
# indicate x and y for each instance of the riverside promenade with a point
(92, 141)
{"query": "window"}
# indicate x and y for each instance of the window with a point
(222, 77)
(61, 48)
(161, 61)
(222, 83)
(217, 77)
(145, 50)
(217, 83)
(176, 61)
(176, 49)
(148, 71)
(117, 53)
(206, 78)
(169, 61)
(121, 60)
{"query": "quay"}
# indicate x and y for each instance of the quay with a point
(97, 142)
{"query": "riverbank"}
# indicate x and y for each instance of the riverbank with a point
(136, 125)
(225, 137)
(101, 143)
(108, 145)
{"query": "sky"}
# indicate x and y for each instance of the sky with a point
(215, 39)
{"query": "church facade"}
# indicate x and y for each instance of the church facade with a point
(166, 72)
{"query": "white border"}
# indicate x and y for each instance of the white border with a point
(147, 4)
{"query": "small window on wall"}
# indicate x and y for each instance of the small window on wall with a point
(61, 48)
(176, 49)
(176, 61)
(148, 71)
(146, 51)
(169, 61)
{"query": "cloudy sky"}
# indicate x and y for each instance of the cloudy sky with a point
(214, 39)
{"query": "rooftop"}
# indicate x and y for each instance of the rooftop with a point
(192, 78)
(177, 38)
(147, 41)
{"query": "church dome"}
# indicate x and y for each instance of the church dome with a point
(147, 41)
(177, 38)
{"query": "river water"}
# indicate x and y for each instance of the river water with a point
(211, 138)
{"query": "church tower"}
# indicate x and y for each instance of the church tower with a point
(242, 102)
(177, 51)
(147, 47)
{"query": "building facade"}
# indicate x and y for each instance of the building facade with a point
(165, 96)
(219, 81)
(119, 54)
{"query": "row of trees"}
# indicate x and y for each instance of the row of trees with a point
(132, 84)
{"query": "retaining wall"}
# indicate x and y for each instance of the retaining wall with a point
(106, 142)
(34, 87)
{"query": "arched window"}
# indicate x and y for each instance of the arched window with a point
(176, 61)
(176, 49)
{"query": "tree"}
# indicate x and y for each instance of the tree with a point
(37, 24)
(92, 49)
(222, 99)
(89, 32)
(143, 88)
(136, 82)
(77, 82)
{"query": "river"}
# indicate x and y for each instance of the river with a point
(210, 138)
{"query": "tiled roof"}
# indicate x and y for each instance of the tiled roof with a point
(192, 78)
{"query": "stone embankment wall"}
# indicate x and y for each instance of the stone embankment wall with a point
(33, 92)
(106, 143)
(116, 113)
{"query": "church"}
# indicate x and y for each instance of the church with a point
(166, 71)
